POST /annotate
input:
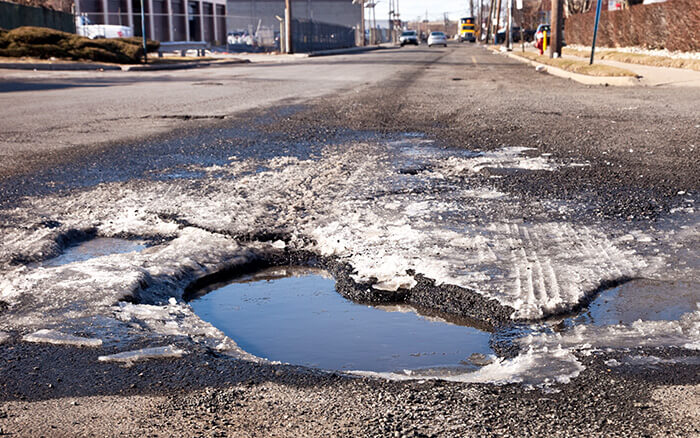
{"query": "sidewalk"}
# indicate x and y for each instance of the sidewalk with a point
(648, 75)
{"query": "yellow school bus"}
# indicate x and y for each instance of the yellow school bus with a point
(467, 29)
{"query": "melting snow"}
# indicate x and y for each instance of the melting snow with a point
(144, 354)
(55, 337)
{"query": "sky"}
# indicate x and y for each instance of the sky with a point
(411, 9)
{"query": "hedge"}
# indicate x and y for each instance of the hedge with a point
(673, 25)
(42, 42)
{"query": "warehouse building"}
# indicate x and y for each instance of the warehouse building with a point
(165, 20)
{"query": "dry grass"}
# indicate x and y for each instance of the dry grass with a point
(580, 67)
(637, 58)
(44, 43)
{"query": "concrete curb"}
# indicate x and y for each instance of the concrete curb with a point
(46, 66)
(84, 66)
(182, 66)
(345, 51)
(618, 81)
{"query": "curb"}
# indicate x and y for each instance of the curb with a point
(46, 66)
(183, 66)
(78, 66)
(618, 81)
(344, 51)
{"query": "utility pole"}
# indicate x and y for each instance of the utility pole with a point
(556, 25)
(489, 21)
(498, 23)
(509, 30)
(288, 26)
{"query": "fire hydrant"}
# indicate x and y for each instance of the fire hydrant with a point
(541, 42)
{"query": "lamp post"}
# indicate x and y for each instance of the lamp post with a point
(143, 34)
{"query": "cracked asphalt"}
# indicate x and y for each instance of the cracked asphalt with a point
(69, 131)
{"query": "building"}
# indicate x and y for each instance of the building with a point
(252, 15)
(165, 20)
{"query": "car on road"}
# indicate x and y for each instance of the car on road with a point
(408, 37)
(437, 39)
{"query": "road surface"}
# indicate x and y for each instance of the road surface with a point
(453, 180)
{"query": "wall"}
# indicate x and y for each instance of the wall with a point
(673, 25)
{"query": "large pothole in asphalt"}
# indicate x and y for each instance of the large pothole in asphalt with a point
(295, 315)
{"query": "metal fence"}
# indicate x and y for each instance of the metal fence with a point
(311, 36)
(13, 15)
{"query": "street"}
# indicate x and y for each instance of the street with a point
(560, 219)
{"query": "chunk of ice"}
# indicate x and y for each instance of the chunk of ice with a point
(143, 354)
(58, 338)
(4, 337)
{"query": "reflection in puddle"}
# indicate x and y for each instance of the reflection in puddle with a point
(98, 247)
(296, 316)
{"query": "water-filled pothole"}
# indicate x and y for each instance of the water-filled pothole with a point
(295, 315)
(646, 300)
(97, 247)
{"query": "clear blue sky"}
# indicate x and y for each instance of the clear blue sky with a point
(410, 9)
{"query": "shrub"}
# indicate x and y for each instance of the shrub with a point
(45, 43)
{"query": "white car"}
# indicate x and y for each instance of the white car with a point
(85, 27)
(437, 39)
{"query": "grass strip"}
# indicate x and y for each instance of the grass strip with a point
(637, 58)
(579, 67)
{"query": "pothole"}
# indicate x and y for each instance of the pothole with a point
(98, 247)
(646, 300)
(294, 315)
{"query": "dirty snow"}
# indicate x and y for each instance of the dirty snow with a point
(58, 338)
(390, 210)
(169, 351)
(533, 368)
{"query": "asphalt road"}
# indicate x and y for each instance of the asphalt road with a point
(627, 163)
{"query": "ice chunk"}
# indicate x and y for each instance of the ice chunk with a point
(537, 367)
(144, 354)
(55, 337)
(4, 337)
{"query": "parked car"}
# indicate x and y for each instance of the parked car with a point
(437, 39)
(85, 27)
(240, 37)
(409, 37)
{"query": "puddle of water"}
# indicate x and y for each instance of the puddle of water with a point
(296, 316)
(98, 247)
(648, 300)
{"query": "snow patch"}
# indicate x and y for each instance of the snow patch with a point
(169, 351)
(58, 338)
(541, 367)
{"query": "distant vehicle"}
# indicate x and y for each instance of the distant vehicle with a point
(408, 37)
(240, 37)
(85, 27)
(437, 39)
(467, 31)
